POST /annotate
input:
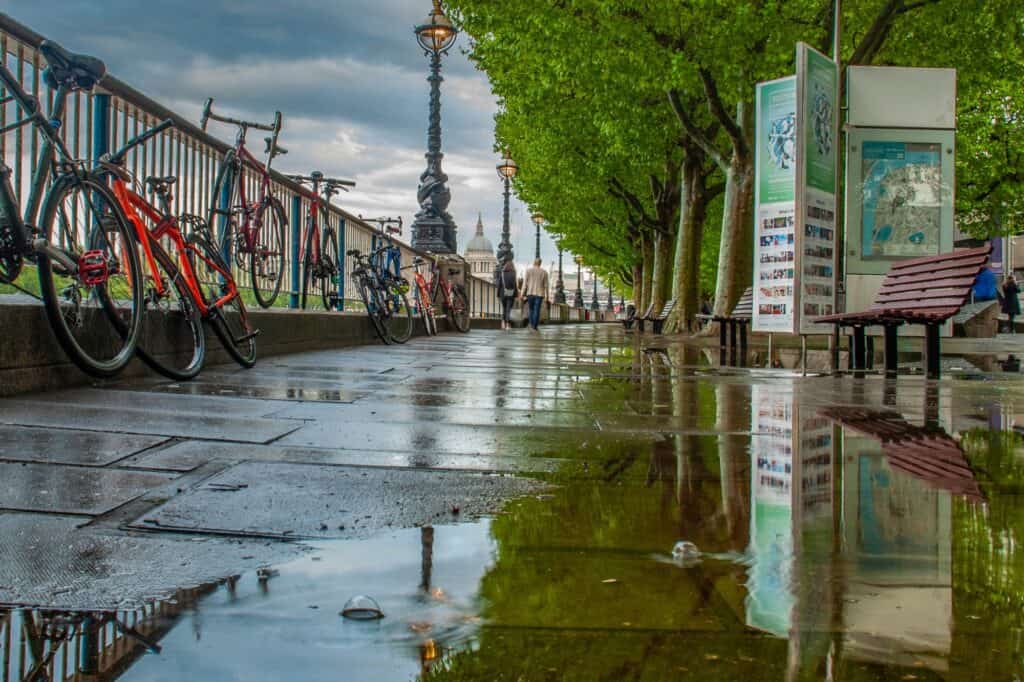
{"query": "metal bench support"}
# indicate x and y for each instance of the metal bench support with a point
(933, 362)
(891, 352)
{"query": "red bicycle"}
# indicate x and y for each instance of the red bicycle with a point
(453, 297)
(424, 296)
(196, 285)
(319, 255)
(253, 230)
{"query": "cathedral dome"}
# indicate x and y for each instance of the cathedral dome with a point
(479, 243)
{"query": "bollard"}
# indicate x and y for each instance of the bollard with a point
(293, 301)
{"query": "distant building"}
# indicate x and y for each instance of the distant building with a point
(480, 253)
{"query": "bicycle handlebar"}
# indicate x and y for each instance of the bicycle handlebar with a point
(208, 116)
(322, 179)
(118, 156)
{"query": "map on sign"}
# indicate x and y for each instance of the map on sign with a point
(901, 198)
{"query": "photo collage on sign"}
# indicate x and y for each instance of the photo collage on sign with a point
(776, 267)
(818, 258)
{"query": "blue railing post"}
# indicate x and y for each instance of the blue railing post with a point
(296, 225)
(341, 262)
(100, 125)
(225, 216)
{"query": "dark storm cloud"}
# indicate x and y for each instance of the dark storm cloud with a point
(348, 77)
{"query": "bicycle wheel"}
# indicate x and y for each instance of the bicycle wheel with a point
(399, 314)
(327, 282)
(266, 260)
(229, 321)
(368, 292)
(426, 311)
(173, 321)
(221, 216)
(96, 311)
(458, 309)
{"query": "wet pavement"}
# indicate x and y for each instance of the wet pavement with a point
(513, 501)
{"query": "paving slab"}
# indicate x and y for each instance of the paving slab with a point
(191, 454)
(278, 500)
(87, 448)
(141, 421)
(50, 561)
(71, 489)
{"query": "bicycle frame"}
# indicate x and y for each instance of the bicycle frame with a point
(312, 231)
(167, 226)
(249, 227)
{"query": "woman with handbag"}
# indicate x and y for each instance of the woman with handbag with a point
(508, 291)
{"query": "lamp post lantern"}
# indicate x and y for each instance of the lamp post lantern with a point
(560, 283)
(507, 170)
(538, 220)
(595, 304)
(577, 301)
(433, 229)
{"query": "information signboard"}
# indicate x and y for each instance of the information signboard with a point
(795, 197)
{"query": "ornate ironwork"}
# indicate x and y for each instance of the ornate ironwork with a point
(560, 283)
(505, 252)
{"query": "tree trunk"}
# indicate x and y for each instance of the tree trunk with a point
(690, 239)
(661, 282)
(736, 257)
(647, 273)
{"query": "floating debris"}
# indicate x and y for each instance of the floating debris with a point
(685, 550)
(362, 607)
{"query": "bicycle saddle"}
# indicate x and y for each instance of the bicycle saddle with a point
(278, 149)
(160, 183)
(76, 71)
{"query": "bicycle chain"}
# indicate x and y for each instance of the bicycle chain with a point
(10, 258)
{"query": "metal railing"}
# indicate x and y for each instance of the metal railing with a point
(102, 121)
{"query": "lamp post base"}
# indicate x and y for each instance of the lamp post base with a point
(435, 234)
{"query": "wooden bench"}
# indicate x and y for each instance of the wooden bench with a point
(657, 321)
(926, 291)
(737, 320)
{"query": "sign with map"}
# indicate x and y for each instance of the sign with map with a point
(901, 199)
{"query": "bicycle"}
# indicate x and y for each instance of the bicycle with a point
(424, 297)
(253, 229)
(453, 298)
(82, 246)
(386, 262)
(319, 256)
(172, 286)
(385, 297)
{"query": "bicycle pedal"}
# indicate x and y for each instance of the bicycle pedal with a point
(247, 337)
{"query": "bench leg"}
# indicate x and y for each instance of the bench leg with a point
(721, 335)
(858, 349)
(933, 363)
(658, 324)
(891, 354)
(732, 333)
(869, 352)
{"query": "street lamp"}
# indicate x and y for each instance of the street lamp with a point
(538, 220)
(595, 304)
(611, 299)
(507, 170)
(433, 229)
(577, 301)
(560, 284)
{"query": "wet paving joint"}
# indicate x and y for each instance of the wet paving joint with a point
(862, 528)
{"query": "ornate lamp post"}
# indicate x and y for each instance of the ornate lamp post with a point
(507, 170)
(538, 220)
(560, 283)
(577, 301)
(594, 303)
(611, 299)
(433, 229)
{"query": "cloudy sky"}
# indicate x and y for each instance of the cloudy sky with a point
(347, 75)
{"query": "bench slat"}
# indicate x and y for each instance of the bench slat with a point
(981, 252)
(936, 268)
(889, 297)
(920, 303)
(957, 283)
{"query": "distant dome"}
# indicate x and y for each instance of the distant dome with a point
(479, 243)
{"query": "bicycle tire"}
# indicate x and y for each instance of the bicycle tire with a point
(270, 241)
(188, 330)
(427, 313)
(328, 280)
(106, 230)
(216, 214)
(458, 311)
(367, 292)
(228, 328)
(399, 313)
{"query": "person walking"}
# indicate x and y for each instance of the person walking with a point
(535, 288)
(1011, 303)
(508, 292)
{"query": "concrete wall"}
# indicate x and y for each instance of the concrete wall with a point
(32, 360)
